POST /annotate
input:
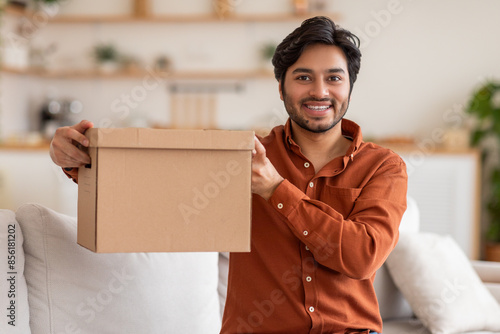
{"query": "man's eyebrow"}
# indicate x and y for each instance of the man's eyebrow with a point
(302, 70)
(336, 70)
(308, 70)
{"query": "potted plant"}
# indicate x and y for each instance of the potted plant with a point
(106, 57)
(267, 51)
(485, 107)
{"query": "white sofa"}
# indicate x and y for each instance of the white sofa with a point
(51, 285)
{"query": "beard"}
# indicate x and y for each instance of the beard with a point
(304, 123)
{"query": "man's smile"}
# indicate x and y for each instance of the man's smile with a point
(317, 110)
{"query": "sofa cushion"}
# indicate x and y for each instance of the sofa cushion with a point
(73, 290)
(406, 326)
(413, 326)
(392, 303)
(13, 290)
(441, 286)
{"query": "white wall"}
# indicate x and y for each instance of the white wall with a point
(423, 64)
(421, 61)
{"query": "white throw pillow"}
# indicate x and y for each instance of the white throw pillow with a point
(441, 286)
(73, 290)
(13, 290)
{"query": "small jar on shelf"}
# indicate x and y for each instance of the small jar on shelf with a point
(301, 6)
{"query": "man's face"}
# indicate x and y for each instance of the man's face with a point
(316, 88)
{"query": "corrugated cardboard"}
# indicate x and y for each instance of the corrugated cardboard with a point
(152, 190)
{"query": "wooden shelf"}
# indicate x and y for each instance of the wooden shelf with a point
(14, 10)
(140, 74)
(181, 18)
(41, 146)
(202, 18)
(409, 148)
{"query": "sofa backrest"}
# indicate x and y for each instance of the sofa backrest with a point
(392, 304)
(44, 227)
(72, 289)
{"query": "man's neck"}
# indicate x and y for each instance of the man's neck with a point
(320, 148)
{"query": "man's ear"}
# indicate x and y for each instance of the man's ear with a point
(281, 90)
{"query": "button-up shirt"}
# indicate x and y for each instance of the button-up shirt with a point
(318, 241)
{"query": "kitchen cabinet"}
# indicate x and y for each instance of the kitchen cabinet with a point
(28, 175)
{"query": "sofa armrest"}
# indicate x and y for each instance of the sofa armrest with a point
(488, 271)
(494, 289)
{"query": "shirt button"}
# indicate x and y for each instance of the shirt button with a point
(307, 248)
(305, 233)
(311, 309)
(311, 184)
(306, 165)
(308, 278)
(280, 205)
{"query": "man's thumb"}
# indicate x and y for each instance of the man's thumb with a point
(259, 148)
(83, 126)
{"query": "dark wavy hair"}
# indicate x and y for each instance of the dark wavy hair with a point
(317, 30)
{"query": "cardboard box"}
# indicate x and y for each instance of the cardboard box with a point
(152, 190)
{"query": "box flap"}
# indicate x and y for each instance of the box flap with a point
(171, 138)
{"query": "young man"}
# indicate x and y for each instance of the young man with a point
(327, 206)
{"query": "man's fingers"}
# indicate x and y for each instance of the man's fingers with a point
(75, 155)
(65, 154)
(64, 149)
(82, 126)
(80, 130)
(260, 150)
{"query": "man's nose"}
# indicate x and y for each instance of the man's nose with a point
(319, 89)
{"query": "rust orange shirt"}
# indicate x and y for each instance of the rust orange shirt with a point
(318, 241)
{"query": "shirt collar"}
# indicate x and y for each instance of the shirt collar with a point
(350, 130)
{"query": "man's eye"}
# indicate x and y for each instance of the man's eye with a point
(303, 77)
(335, 78)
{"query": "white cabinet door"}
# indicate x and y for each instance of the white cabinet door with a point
(31, 177)
(446, 188)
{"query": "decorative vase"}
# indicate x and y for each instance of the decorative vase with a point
(224, 8)
(107, 67)
(301, 6)
(492, 252)
(141, 8)
(50, 9)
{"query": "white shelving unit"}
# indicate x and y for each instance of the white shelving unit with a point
(447, 196)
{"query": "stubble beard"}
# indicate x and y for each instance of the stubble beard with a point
(304, 123)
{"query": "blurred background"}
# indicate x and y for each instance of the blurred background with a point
(206, 64)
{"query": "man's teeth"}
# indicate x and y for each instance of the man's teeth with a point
(318, 108)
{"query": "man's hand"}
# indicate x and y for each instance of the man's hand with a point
(265, 178)
(63, 149)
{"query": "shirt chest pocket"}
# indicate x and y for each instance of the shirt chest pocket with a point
(339, 198)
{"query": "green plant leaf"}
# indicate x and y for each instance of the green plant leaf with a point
(481, 106)
(480, 103)
(493, 233)
(477, 136)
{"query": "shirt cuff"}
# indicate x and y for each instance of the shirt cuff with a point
(286, 197)
(72, 173)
